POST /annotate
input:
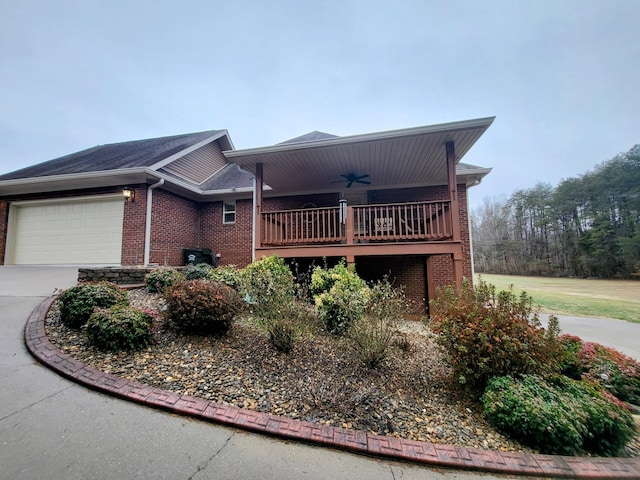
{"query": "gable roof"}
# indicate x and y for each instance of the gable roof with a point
(114, 156)
(204, 164)
(309, 137)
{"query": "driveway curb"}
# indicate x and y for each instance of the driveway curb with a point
(448, 456)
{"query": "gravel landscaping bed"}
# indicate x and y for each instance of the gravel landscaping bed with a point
(410, 396)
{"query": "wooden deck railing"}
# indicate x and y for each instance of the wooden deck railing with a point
(302, 227)
(419, 221)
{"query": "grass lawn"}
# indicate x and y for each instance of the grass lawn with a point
(577, 296)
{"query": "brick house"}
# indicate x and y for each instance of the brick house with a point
(391, 202)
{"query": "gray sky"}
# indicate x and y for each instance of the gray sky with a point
(562, 77)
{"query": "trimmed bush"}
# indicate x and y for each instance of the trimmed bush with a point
(198, 271)
(569, 362)
(562, 416)
(120, 328)
(611, 369)
(161, 278)
(373, 335)
(228, 274)
(343, 298)
(202, 307)
(268, 286)
(77, 303)
(616, 372)
(322, 279)
(488, 334)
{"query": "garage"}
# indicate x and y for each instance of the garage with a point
(74, 231)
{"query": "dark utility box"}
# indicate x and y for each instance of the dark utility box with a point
(193, 256)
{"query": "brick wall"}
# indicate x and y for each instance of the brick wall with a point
(298, 201)
(407, 271)
(175, 224)
(133, 227)
(232, 241)
(417, 194)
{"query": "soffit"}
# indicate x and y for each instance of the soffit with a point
(406, 157)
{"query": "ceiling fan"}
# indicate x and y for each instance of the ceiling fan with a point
(352, 178)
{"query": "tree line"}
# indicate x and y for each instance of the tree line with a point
(587, 226)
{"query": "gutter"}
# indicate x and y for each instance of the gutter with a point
(147, 226)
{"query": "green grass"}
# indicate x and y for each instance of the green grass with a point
(618, 299)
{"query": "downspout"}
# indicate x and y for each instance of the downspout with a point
(253, 222)
(147, 226)
(473, 267)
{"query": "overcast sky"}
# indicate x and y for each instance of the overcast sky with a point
(561, 77)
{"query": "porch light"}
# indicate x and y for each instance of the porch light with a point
(129, 194)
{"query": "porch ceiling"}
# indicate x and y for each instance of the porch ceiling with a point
(414, 156)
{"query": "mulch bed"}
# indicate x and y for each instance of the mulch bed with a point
(410, 396)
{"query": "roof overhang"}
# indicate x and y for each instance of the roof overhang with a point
(392, 159)
(110, 178)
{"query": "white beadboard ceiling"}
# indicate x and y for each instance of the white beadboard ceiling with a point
(408, 157)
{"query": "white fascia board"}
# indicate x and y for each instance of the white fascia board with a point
(59, 182)
(186, 151)
(442, 127)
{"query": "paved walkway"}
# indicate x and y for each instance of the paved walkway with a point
(51, 428)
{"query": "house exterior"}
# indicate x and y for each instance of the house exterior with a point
(394, 203)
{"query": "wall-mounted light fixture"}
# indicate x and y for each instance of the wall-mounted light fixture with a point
(129, 194)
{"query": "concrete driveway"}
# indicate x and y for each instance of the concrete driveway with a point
(52, 428)
(621, 335)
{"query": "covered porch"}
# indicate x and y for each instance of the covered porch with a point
(423, 159)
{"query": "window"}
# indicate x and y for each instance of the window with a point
(229, 212)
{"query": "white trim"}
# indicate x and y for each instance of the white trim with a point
(224, 211)
(14, 207)
(10, 247)
(439, 128)
(186, 151)
(473, 269)
(253, 220)
(110, 196)
(147, 220)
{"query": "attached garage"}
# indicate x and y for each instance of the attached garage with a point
(85, 230)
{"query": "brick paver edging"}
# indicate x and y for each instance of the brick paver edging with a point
(352, 440)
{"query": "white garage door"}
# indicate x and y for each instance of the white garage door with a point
(75, 231)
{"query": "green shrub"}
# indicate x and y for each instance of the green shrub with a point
(562, 416)
(344, 302)
(322, 279)
(198, 271)
(269, 287)
(120, 328)
(568, 360)
(229, 275)
(77, 303)
(373, 335)
(490, 335)
(616, 372)
(160, 278)
(202, 307)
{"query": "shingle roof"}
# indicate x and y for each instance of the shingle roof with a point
(309, 137)
(137, 153)
(231, 176)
